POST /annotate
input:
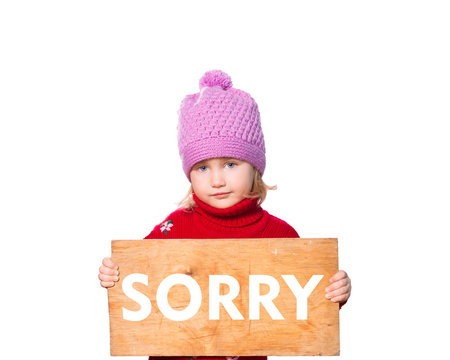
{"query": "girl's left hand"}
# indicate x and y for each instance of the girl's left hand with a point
(340, 289)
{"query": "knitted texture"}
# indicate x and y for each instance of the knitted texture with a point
(244, 220)
(220, 121)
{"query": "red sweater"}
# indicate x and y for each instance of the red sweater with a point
(243, 220)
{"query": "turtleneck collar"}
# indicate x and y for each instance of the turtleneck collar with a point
(243, 213)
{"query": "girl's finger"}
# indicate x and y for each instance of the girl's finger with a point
(108, 278)
(108, 263)
(341, 274)
(343, 290)
(337, 285)
(107, 271)
(107, 284)
(340, 298)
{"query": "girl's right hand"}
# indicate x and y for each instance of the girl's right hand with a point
(109, 273)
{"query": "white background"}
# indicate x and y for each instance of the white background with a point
(354, 102)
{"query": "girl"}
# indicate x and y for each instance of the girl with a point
(222, 150)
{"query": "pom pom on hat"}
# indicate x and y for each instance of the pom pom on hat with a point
(216, 78)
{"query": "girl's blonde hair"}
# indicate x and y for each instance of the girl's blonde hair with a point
(259, 190)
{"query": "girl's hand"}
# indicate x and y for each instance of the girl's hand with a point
(109, 273)
(340, 289)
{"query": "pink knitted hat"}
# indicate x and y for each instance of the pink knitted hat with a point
(220, 121)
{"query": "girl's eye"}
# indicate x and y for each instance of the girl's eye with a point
(231, 164)
(202, 168)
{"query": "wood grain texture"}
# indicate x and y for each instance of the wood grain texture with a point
(199, 336)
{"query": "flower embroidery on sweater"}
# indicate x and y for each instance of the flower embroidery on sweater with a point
(165, 226)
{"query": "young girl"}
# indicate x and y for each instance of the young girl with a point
(222, 150)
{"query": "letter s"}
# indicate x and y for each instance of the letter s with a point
(141, 299)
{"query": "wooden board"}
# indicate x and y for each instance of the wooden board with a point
(158, 335)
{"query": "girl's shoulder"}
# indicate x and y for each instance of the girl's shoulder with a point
(171, 226)
(280, 228)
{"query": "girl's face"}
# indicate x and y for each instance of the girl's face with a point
(222, 182)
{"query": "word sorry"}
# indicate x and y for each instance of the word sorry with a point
(215, 299)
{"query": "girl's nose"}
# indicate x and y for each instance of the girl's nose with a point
(217, 179)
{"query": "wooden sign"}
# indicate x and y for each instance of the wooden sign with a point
(224, 297)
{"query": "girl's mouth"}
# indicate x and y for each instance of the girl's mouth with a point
(221, 195)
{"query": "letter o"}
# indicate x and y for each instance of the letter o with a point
(163, 291)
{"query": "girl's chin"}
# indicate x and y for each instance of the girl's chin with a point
(223, 203)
